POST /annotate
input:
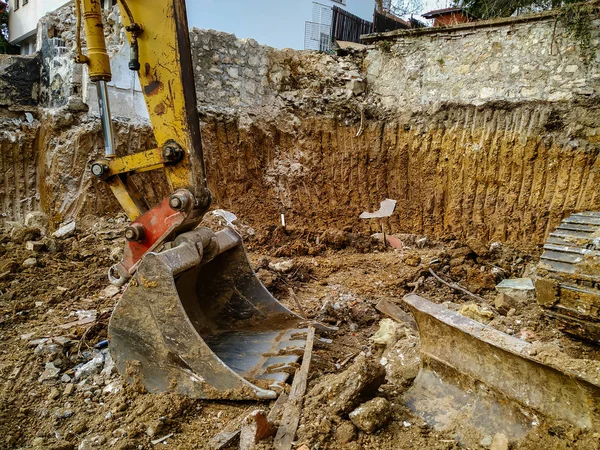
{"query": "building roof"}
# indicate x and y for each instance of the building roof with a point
(446, 11)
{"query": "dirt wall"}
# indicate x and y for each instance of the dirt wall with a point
(492, 173)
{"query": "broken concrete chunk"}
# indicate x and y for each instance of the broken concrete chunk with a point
(342, 392)
(388, 333)
(37, 219)
(521, 289)
(21, 233)
(372, 415)
(65, 231)
(504, 303)
(35, 246)
(50, 373)
(282, 266)
(109, 291)
(91, 367)
(402, 361)
(228, 216)
(476, 312)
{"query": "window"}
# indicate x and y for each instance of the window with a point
(25, 2)
(16, 4)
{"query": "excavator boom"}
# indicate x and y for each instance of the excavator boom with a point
(194, 319)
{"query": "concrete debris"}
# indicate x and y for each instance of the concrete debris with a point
(372, 415)
(402, 361)
(386, 209)
(341, 393)
(30, 262)
(53, 394)
(521, 289)
(110, 291)
(112, 388)
(476, 312)
(228, 216)
(37, 219)
(92, 442)
(388, 333)
(284, 266)
(486, 441)
(35, 246)
(21, 233)
(50, 373)
(65, 231)
(92, 367)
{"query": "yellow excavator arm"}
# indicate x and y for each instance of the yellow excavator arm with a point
(194, 319)
(160, 53)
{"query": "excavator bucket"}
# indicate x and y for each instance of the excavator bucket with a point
(196, 320)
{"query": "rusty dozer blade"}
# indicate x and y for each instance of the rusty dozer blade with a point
(475, 375)
(195, 320)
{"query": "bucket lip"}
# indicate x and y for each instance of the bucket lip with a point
(511, 344)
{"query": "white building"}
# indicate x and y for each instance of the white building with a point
(317, 29)
(23, 17)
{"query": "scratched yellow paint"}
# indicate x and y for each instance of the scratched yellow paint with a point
(160, 78)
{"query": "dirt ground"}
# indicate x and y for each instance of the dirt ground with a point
(59, 392)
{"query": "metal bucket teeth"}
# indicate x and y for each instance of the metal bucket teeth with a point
(196, 320)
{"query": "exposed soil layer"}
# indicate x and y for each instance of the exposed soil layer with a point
(494, 173)
(338, 281)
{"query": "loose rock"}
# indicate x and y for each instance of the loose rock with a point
(35, 246)
(30, 262)
(500, 442)
(372, 415)
(65, 231)
(50, 373)
(284, 266)
(345, 432)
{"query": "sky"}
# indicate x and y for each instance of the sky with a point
(278, 23)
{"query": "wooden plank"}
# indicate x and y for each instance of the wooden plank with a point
(396, 313)
(291, 414)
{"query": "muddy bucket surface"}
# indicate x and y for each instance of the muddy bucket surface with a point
(196, 320)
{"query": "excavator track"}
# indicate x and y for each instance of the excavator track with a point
(568, 284)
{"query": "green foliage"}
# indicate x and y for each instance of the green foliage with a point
(577, 19)
(4, 32)
(385, 46)
(489, 9)
(5, 46)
